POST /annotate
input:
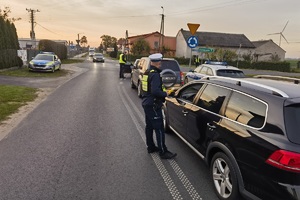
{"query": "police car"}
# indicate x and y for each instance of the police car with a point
(45, 61)
(210, 68)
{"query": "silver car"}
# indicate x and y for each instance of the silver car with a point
(213, 69)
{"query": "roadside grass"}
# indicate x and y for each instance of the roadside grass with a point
(13, 97)
(24, 72)
(71, 61)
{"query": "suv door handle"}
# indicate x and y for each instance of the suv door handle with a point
(185, 112)
(210, 126)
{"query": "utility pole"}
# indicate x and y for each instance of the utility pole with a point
(78, 40)
(162, 30)
(32, 12)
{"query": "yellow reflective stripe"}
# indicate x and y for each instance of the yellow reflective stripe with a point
(152, 70)
(163, 88)
(120, 59)
(145, 83)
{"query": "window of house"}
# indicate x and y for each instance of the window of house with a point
(156, 44)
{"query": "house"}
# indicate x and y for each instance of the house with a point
(238, 43)
(154, 40)
(28, 43)
(266, 50)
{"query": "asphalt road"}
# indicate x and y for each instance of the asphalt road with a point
(86, 141)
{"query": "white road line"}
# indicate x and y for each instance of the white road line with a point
(161, 168)
(184, 180)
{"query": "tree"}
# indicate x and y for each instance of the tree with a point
(140, 47)
(101, 47)
(83, 40)
(247, 57)
(5, 13)
(222, 55)
(108, 41)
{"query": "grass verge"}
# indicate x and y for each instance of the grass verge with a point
(13, 97)
(24, 72)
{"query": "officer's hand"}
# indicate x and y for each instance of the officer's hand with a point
(169, 92)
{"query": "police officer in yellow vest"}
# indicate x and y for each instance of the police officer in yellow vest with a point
(122, 61)
(197, 61)
(153, 98)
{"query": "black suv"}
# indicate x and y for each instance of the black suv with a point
(172, 77)
(247, 131)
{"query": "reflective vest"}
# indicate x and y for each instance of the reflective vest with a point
(146, 87)
(121, 59)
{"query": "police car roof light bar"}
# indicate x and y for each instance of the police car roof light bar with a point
(215, 63)
(240, 82)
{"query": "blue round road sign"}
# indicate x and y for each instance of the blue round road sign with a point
(192, 41)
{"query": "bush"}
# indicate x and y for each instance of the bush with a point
(59, 49)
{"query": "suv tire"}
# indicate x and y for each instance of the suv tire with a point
(165, 120)
(224, 177)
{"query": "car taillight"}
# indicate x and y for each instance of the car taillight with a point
(285, 160)
(181, 78)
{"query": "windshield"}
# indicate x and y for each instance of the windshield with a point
(292, 121)
(98, 54)
(230, 73)
(43, 57)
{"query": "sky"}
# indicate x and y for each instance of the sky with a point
(65, 19)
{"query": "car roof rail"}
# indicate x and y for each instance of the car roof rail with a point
(284, 78)
(240, 82)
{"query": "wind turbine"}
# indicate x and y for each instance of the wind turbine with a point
(280, 34)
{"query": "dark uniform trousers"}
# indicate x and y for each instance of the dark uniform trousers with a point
(154, 121)
(121, 73)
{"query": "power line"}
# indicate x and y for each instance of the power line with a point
(49, 30)
(213, 7)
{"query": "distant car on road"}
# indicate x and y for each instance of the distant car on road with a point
(213, 69)
(45, 62)
(98, 57)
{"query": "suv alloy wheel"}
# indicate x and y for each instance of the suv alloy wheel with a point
(224, 176)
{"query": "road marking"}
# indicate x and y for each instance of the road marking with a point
(184, 180)
(161, 168)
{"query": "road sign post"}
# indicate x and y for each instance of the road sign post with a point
(192, 41)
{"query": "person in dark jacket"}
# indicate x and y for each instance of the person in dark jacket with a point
(153, 98)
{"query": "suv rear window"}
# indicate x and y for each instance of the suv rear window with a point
(246, 110)
(170, 64)
(292, 121)
(230, 73)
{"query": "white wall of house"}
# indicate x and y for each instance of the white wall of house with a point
(269, 49)
(182, 50)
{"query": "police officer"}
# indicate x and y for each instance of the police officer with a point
(153, 98)
(122, 61)
(197, 61)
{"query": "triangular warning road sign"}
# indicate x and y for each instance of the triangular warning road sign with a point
(193, 28)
